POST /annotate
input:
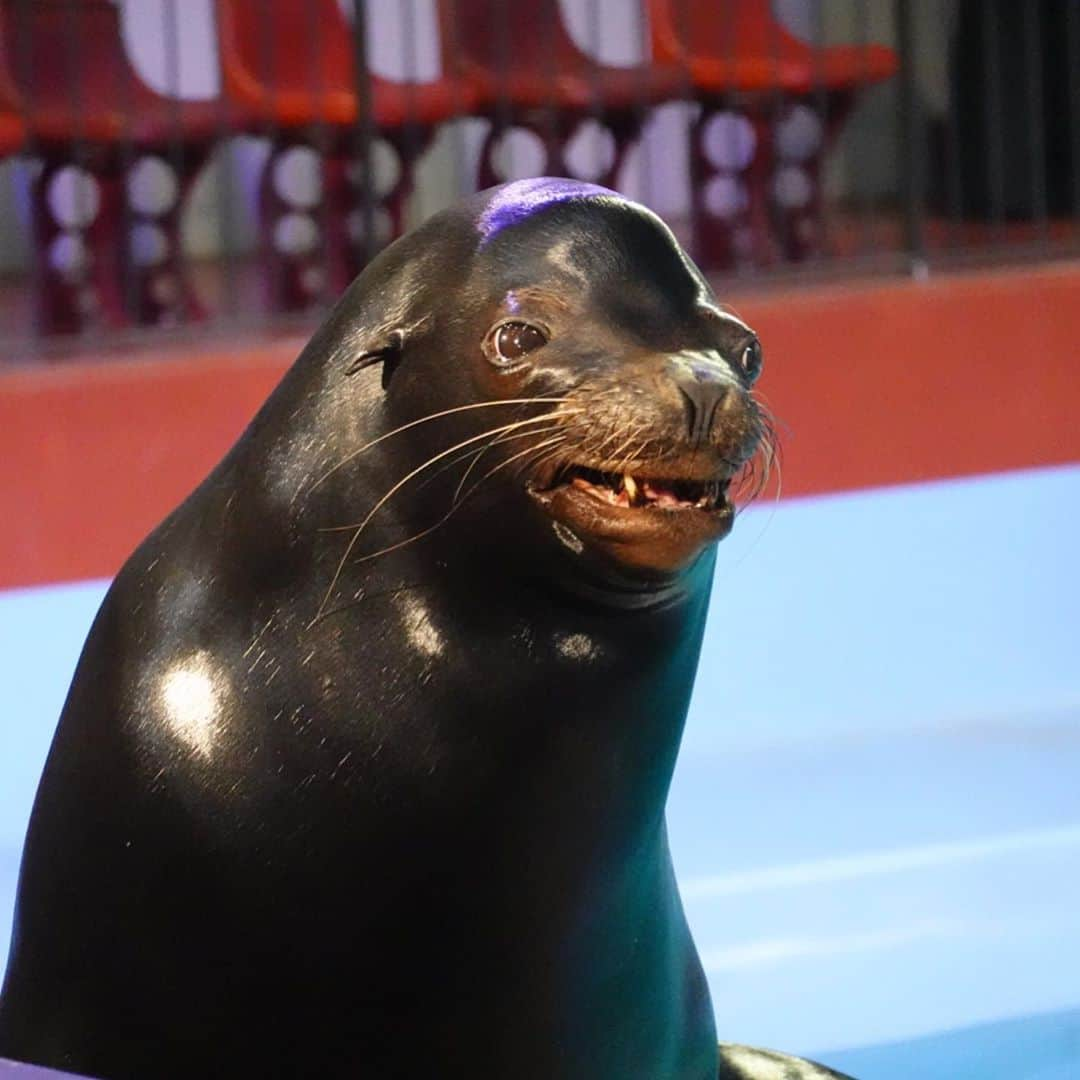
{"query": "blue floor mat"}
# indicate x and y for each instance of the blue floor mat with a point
(876, 814)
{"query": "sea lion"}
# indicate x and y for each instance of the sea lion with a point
(363, 768)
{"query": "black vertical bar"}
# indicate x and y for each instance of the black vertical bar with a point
(727, 46)
(503, 111)
(992, 113)
(177, 149)
(779, 93)
(912, 151)
(778, 97)
(76, 94)
(681, 29)
(127, 161)
(862, 201)
(409, 147)
(954, 192)
(549, 32)
(171, 34)
(225, 162)
(268, 53)
(820, 97)
(321, 144)
(598, 107)
(1033, 60)
(450, 66)
(645, 104)
(1072, 32)
(81, 152)
(365, 123)
(23, 53)
(412, 68)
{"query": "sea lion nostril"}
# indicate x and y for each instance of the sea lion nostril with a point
(703, 400)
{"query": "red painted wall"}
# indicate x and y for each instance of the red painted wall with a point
(876, 384)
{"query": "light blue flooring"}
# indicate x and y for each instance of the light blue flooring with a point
(876, 815)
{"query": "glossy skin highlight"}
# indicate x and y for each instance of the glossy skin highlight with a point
(400, 815)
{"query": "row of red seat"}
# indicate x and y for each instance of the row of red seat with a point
(70, 94)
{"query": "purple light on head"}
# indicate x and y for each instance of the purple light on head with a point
(515, 202)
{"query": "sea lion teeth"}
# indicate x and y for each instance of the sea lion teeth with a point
(630, 486)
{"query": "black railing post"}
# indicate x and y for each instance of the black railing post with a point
(912, 142)
(365, 127)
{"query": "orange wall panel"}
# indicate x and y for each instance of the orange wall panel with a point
(875, 384)
(906, 382)
(96, 453)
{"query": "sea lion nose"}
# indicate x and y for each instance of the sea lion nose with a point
(707, 386)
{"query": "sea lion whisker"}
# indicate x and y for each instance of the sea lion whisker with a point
(613, 435)
(475, 455)
(390, 494)
(755, 474)
(554, 441)
(749, 481)
(770, 454)
(426, 419)
(538, 463)
(496, 442)
(632, 452)
(457, 504)
(618, 460)
(776, 464)
(504, 433)
(769, 418)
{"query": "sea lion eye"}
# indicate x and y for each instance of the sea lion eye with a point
(512, 340)
(751, 360)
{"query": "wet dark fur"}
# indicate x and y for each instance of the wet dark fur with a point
(312, 812)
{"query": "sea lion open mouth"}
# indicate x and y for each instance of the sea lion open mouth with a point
(644, 517)
(640, 492)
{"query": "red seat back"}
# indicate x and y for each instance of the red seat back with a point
(286, 49)
(67, 63)
(293, 62)
(739, 44)
(513, 39)
(518, 51)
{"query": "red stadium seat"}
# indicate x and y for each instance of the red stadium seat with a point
(12, 128)
(758, 142)
(118, 161)
(12, 131)
(527, 72)
(737, 45)
(289, 68)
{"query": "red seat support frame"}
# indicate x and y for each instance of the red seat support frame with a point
(771, 104)
(12, 128)
(90, 117)
(526, 71)
(289, 71)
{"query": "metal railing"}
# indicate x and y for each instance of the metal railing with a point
(185, 166)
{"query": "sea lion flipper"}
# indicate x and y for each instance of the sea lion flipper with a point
(751, 1063)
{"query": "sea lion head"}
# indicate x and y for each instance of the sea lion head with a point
(551, 340)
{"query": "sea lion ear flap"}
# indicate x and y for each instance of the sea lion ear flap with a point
(387, 352)
(386, 349)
